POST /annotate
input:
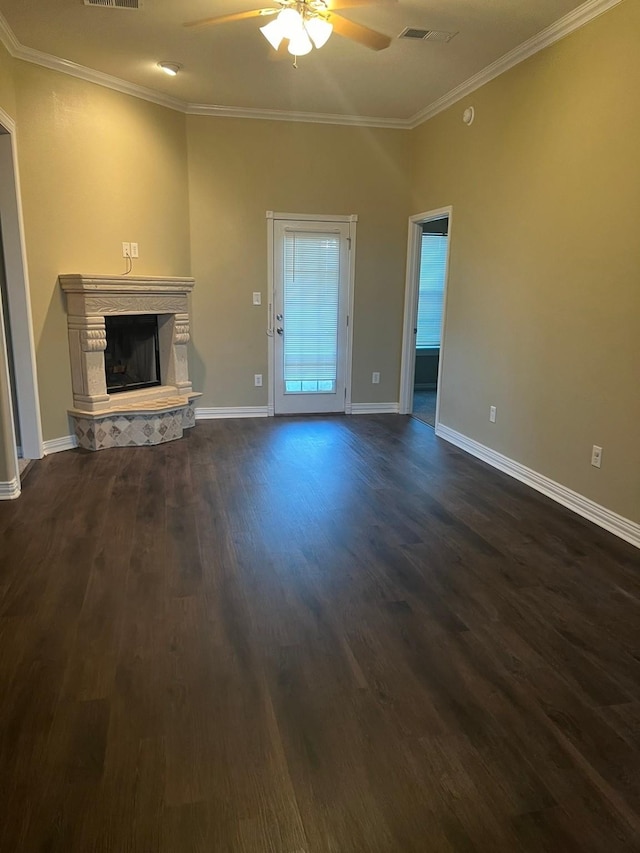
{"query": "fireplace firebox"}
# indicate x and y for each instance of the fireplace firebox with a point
(132, 354)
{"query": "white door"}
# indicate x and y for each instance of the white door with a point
(310, 305)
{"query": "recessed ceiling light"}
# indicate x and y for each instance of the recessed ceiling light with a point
(170, 68)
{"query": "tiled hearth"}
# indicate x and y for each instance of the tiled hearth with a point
(137, 417)
(161, 423)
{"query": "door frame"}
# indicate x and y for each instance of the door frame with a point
(18, 298)
(408, 364)
(272, 217)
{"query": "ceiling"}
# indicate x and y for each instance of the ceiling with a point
(232, 66)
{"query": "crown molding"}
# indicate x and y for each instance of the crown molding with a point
(283, 115)
(563, 27)
(8, 38)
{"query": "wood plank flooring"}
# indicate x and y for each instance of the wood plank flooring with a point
(321, 635)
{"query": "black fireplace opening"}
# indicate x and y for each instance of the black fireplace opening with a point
(132, 356)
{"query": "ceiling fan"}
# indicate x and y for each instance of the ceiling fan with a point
(306, 24)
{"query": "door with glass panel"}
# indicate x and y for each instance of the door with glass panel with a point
(310, 305)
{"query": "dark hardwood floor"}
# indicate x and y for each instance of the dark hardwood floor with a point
(324, 635)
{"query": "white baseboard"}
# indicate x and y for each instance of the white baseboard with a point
(55, 445)
(374, 408)
(600, 515)
(9, 489)
(205, 414)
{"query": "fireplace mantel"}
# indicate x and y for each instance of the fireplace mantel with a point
(79, 283)
(91, 298)
(102, 294)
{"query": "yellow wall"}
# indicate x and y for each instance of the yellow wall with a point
(96, 167)
(543, 314)
(239, 169)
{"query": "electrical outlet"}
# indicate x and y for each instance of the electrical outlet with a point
(375, 378)
(126, 250)
(492, 414)
(596, 456)
(257, 380)
(134, 250)
(257, 298)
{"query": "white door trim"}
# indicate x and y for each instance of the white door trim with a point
(271, 353)
(350, 305)
(272, 216)
(408, 365)
(20, 318)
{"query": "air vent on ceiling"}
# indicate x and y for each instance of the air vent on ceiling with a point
(115, 4)
(426, 35)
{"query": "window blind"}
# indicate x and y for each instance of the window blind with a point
(311, 302)
(433, 263)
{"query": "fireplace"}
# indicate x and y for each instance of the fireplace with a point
(128, 341)
(132, 354)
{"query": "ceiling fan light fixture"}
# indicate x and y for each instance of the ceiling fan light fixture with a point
(291, 22)
(319, 30)
(300, 43)
(288, 25)
(305, 24)
(273, 33)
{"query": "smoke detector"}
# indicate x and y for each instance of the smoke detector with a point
(419, 34)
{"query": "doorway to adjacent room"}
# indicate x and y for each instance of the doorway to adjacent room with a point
(427, 264)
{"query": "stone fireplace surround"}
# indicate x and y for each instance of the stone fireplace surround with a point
(145, 416)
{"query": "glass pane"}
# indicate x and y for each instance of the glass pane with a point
(323, 386)
(311, 299)
(433, 263)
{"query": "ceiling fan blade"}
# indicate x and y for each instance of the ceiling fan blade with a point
(356, 32)
(333, 5)
(226, 19)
